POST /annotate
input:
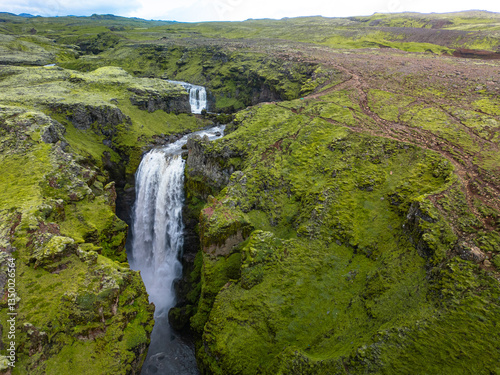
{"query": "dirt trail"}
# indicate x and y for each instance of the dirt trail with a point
(475, 186)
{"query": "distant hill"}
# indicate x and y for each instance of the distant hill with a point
(27, 15)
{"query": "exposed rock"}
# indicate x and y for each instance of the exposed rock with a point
(204, 168)
(53, 133)
(226, 247)
(178, 317)
(37, 340)
(102, 119)
(55, 248)
(470, 252)
(415, 231)
(265, 94)
(153, 100)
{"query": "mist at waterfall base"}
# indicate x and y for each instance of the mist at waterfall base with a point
(157, 241)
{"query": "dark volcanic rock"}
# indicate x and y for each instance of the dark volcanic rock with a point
(204, 166)
(153, 101)
(53, 133)
(415, 231)
(103, 118)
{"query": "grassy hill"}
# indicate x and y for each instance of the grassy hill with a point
(348, 223)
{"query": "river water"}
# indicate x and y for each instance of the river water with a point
(197, 96)
(157, 241)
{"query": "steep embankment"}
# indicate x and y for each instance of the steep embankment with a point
(360, 230)
(355, 230)
(69, 141)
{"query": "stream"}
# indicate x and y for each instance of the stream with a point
(157, 242)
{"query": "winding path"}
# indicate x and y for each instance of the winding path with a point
(475, 185)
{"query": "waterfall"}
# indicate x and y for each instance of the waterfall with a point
(157, 240)
(158, 228)
(197, 96)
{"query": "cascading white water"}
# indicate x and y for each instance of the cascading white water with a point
(197, 96)
(157, 240)
(158, 228)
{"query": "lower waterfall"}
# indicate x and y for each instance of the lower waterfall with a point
(157, 240)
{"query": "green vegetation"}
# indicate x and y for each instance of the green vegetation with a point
(349, 220)
(80, 307)
(236, 79)
(341, 271)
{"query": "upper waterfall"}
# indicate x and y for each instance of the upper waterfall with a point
(197, 96)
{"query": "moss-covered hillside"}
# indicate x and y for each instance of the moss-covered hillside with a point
(360, 230)
(348, 222)
(356, 254)
(67, 139)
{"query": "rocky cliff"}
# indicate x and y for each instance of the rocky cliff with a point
(67, 141)
(348, 225)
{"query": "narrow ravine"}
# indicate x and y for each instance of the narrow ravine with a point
(156, 249)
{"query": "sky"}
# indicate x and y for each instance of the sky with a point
(237, 10)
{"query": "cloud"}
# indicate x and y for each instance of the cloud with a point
(163, 10)
(236, 10)
(66, 7)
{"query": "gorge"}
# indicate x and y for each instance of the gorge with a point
(348, 222)
(158, 232)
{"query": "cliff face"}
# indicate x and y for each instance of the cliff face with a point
(80, 308)
(350, 225)
(345, 238)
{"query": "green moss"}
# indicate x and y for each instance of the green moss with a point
(488, 106)
(388, 105)
(218, 225)
(378, 39)
(214, 276)
(338, 259)
(441, 124)
(146, 124)
(60, 222)
(230, 104)
(88, 143)
(84, 295)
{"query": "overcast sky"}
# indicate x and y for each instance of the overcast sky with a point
(237, 10)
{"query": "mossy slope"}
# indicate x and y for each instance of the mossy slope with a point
(68, 292)
(80, 308)
(350, 268)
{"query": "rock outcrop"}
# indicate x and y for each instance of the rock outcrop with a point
(208, 171)
(81, 308)
(152, 101)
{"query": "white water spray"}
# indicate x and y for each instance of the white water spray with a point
(157, 242)
(158, 229)
(197, 96)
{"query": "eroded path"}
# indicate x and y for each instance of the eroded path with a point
(476, 182)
